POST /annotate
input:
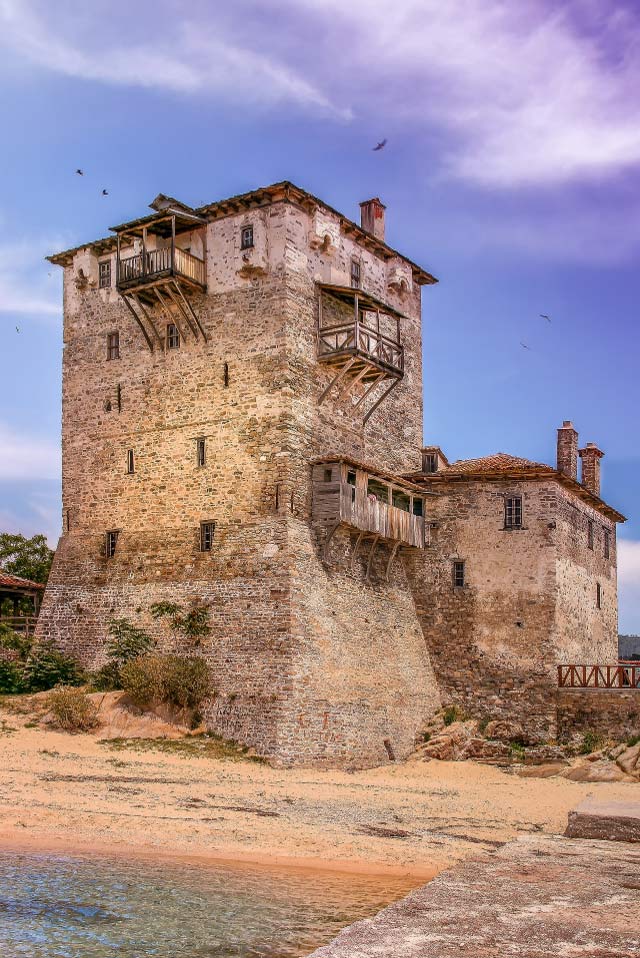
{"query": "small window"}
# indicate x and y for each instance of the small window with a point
(67, 520)
(606, 545)
(598, 595)
(226, 375)
(104, 274)
(429, 462)
(328, 475)
(355, 273)
(590, 534)
(173, 336)
(111, 543)
(351, 477)
(201, 452)
(207, 530)
(246, 237)
(130, 462)
(458, 574)
(113, 346)
(401, 500)
(418, 506)
(513, 512)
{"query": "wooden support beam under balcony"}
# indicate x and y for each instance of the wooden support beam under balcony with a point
(359, 338)
(379, 508)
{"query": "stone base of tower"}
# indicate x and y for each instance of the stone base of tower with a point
(312, 664)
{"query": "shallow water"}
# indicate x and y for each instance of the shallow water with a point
(54, 906)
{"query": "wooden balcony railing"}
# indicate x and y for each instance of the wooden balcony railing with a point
(622, 676)
(25, 624)
(367, 514)
(356, 338)
(154, 264)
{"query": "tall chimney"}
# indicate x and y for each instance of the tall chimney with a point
(591, 457)
(372, 217)
(568, 450)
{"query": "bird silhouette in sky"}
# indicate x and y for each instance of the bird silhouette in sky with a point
(381, 145)
(80, 172)
(524, 345)
(105, 192)
(17, 329)
(544, 316)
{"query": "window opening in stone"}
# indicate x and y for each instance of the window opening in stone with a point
(458, 574)
(590, 534)
(513, 512)
(246, 237)
(173, 336)
(130, 461)
(201, 452)
(113, 346)
(104, 274)
(355, 274)
(207, 530)
(111, 543)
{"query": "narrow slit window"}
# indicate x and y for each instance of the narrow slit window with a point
(226, 375)
(104, 274)
(119, 397)
(598, 595)
(246, 237)
(173, 336)
(130, 462)
(606, 544)
(355, 273)
(201, 452)
(590, 534)
(111, 543)
(513, 512)
(458, 574)
(207, 530)
(113, 346)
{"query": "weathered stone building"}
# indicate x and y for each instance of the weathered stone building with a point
(521, 577)
(242, 423)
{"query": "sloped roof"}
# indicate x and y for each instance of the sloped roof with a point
(498, 462)
(501, 465)
(8, 581)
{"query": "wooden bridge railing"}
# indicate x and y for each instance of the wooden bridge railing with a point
(624, 675)
(366, 513)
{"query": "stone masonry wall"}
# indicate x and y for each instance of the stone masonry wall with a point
(491, 642)
(612, 713)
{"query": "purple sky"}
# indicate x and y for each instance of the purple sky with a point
(511, 172)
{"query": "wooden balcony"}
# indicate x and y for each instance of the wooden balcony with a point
(379, 508)
(359, 337)
(135, 273)
(624, 675)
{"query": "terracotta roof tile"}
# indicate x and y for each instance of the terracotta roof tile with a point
(9, 581)
(499, 462)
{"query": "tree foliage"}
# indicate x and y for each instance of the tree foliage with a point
(193, 624)
(26, 558)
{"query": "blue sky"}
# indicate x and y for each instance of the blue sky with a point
(511, 172)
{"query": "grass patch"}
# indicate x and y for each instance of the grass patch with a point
(204, 746)
(6, 729)
(517, 751)
(633, 741)
(452, 714)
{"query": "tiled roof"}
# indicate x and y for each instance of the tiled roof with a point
(499, 462)
(8, 581)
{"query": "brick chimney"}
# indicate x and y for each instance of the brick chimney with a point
(372, 217)
(591, 457)
(568, 450)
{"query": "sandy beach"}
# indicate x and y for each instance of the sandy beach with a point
(86, 794)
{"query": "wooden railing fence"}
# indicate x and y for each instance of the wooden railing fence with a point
(624, 675)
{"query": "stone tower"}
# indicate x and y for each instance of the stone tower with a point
(242, 390)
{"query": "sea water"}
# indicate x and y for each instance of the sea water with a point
(54, 906)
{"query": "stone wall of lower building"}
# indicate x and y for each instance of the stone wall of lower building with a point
(611, 713)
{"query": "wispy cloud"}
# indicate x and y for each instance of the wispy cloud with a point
(528, 93)
(629, 584)
(27, 457)
(181, 56)
(26, 286)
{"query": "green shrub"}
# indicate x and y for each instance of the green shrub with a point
(72, 710)
(633, 740)
(171, 679)
(106, 679)
(46, 666)
(193, 624)
(451, 714)
(590, 742)
(10, 677)
(126, 641)
(15, 641)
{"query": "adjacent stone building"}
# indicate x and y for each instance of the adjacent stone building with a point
(242, 424)
(521, 577)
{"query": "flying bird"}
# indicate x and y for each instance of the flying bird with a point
(105, 192)
(80, 172)
(524, 345)
(381, 145)
(544, 316)
(17, 329)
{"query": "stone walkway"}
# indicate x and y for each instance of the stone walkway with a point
(537, 896)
